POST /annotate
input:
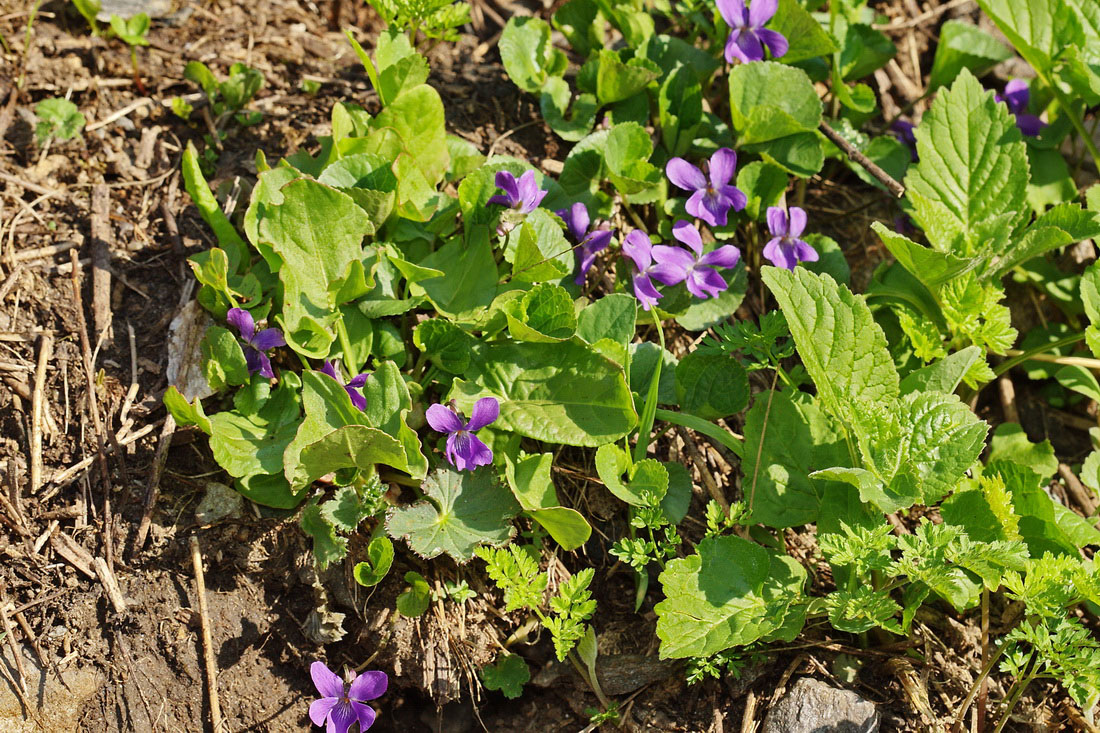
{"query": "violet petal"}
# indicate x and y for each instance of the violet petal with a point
(443, 419)
(368, 686)
(485, 411)
(684, 175)
(723, 164)
(327, 682)
(241, 320)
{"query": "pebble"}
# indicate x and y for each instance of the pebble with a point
(811, 706)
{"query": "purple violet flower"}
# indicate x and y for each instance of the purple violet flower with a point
(1016, 96)
(464, 450)
(663, 263)
(903, 130)
(343, 703)
(748, 36)
(786, 249)
(352, 387)
(522, 194)
(255, 343)
(588, 242)
(711, 199)
(702, 280)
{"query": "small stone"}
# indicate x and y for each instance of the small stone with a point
(811, 706)
(57, 707)
(129, 8)
(220, 502)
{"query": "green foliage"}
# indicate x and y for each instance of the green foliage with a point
(508, 674)
(131, 30)
(517, 574)
(465, 510)
(436, 19)
(731, 593)
(416, 598)
(58, 119)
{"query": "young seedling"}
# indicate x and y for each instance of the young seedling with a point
(58, 119)
(133, 32)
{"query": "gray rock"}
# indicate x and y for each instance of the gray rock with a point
(811, 706)
(220, 502)
(56, 708)
(129, 8)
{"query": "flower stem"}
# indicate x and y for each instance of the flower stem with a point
(350, 370)
(645, 425)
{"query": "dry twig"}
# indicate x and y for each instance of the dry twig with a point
(45, 350)
(868, 165)
(207, 645)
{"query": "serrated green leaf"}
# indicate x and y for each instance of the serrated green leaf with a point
(943, 376)
(58, 118)
(923, 446)
(545, 314)
(466, 509)
(842, 347)
(970, 185)
(931, 267)
(447, 345)
(731, 593)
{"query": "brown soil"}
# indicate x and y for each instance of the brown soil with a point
(267, 607)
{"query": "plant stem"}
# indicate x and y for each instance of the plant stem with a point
(1074, 120)
(977, 684)
(1013, 697)
(707, 428)
(1023, 356)
(645, 425)
(350, 370)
